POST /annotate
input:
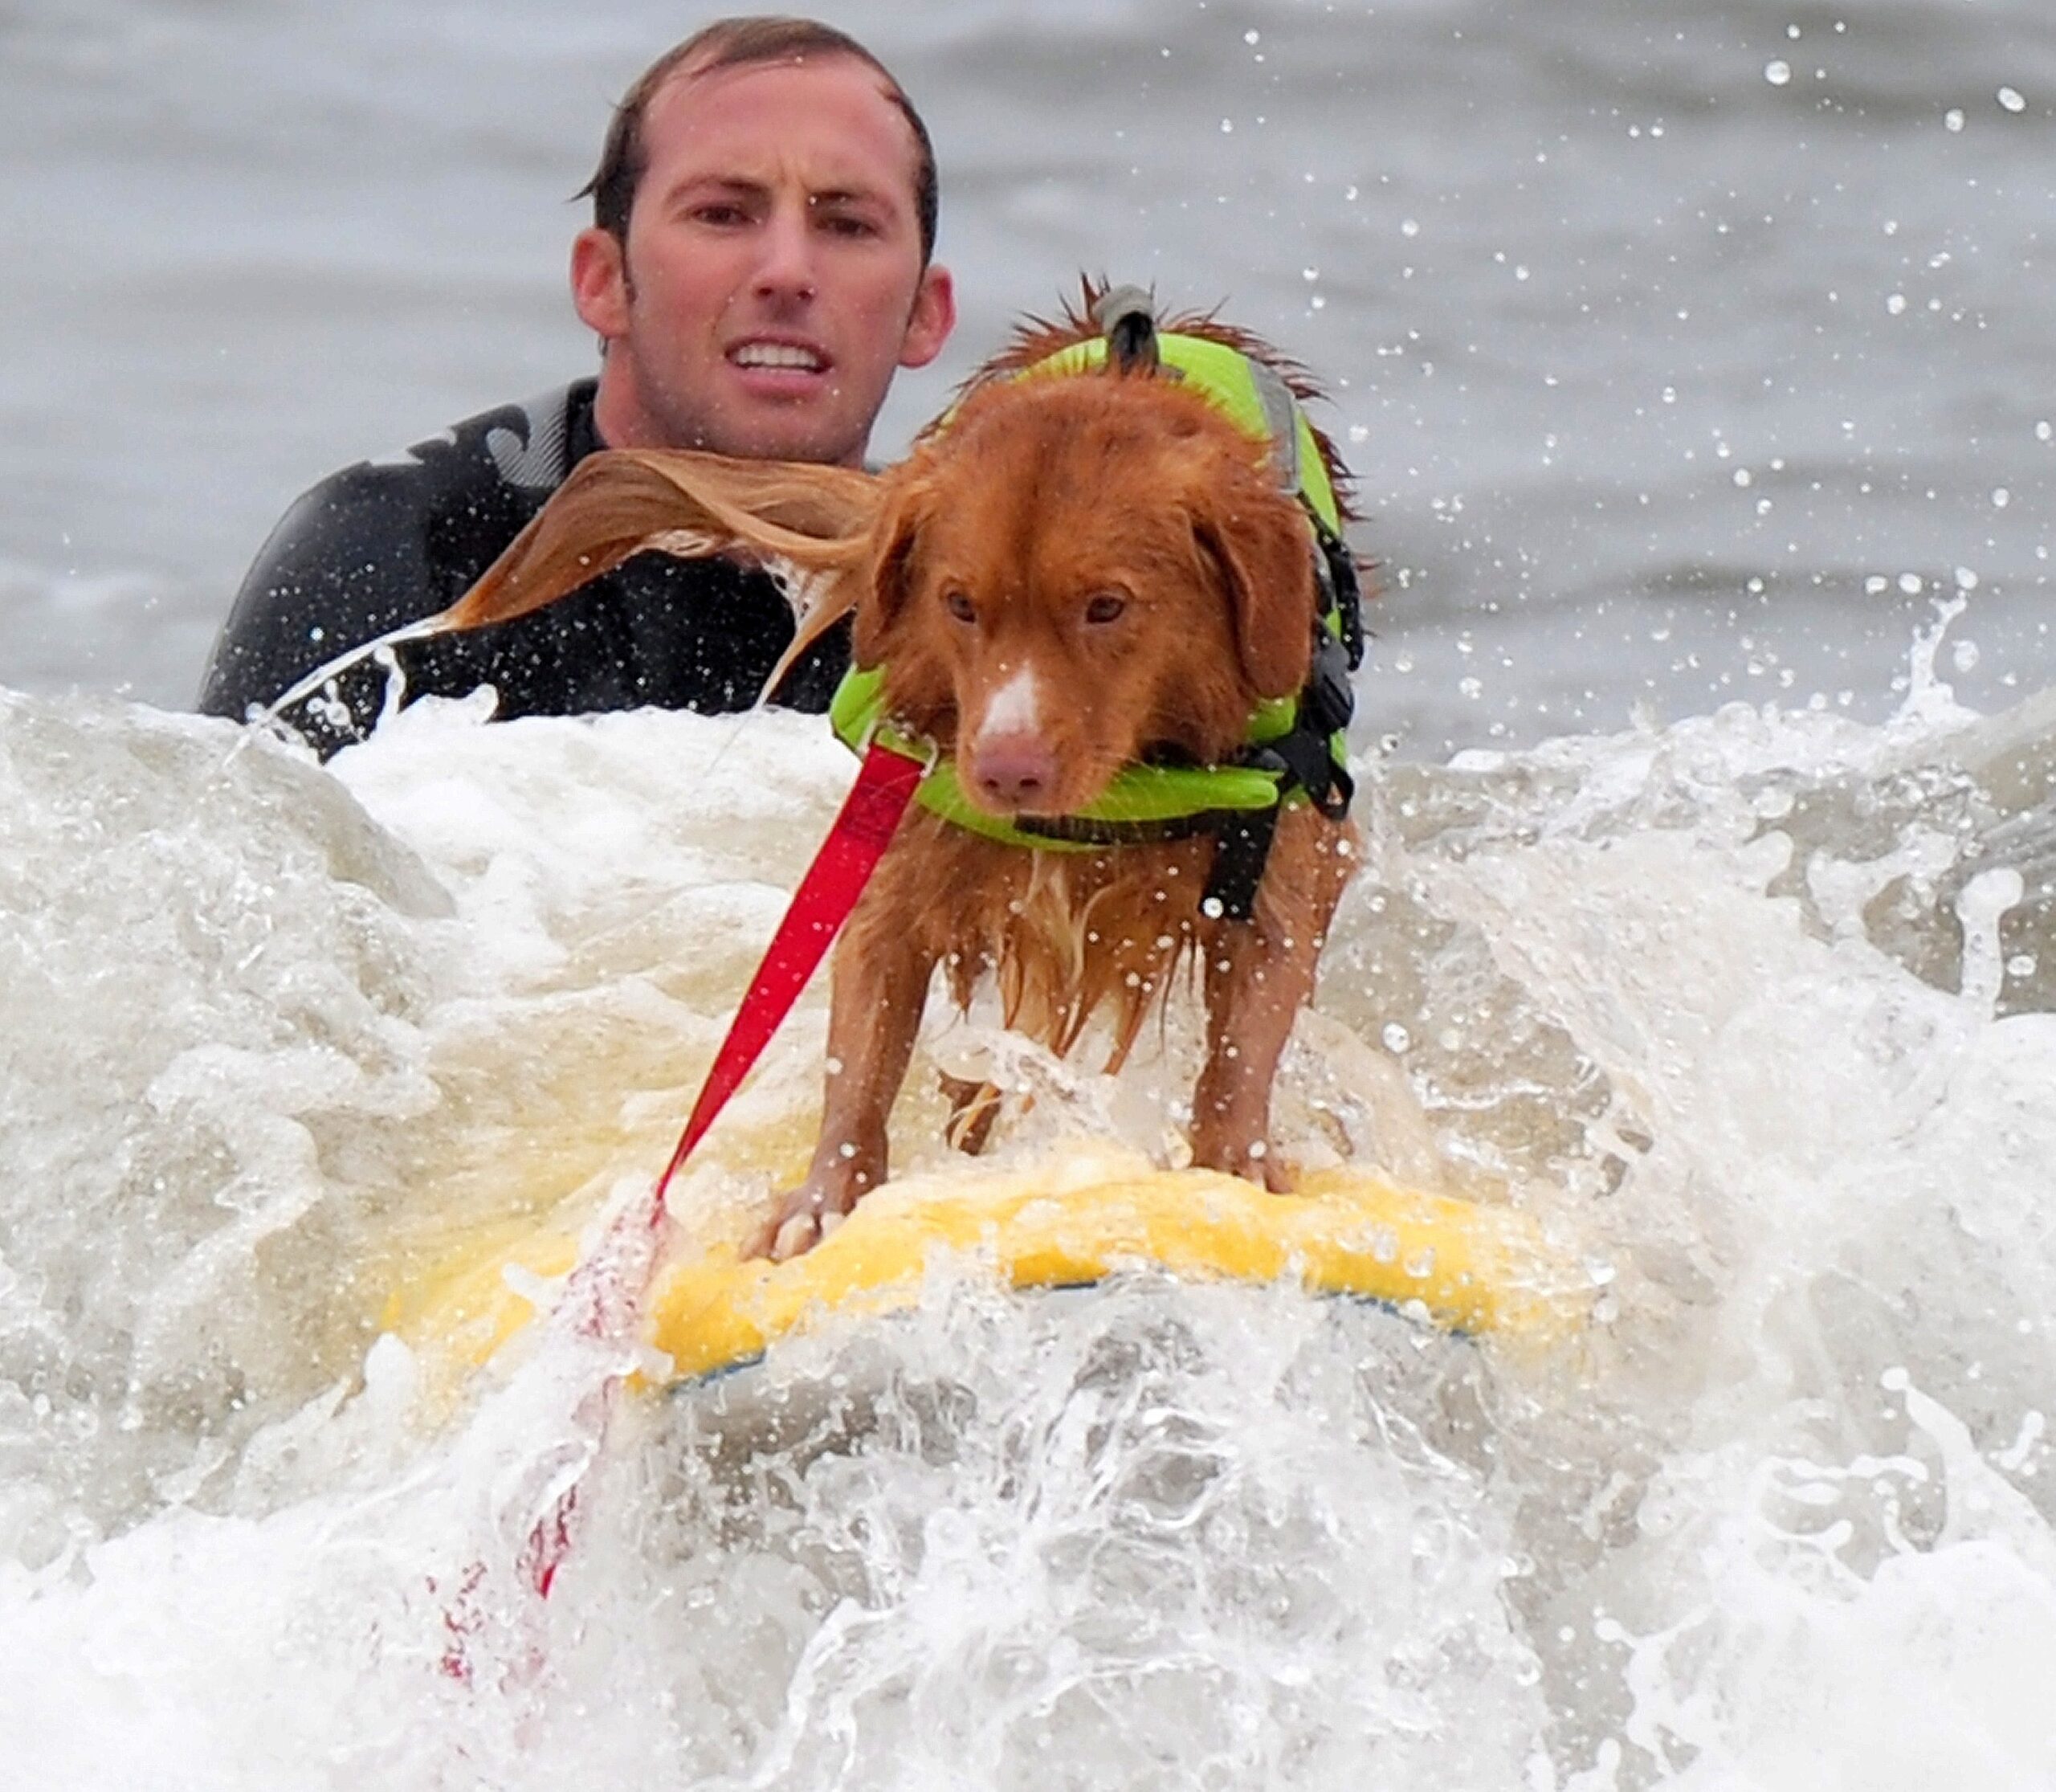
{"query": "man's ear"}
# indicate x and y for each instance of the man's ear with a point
(1259, 544)
(888, 583)
(934, 317)
(599, 283)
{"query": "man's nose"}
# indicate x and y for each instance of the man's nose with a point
(785, 268)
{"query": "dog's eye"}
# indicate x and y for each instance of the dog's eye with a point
(1104, 606)
(961, 606)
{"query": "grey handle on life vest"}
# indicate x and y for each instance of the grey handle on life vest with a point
(1126, 317)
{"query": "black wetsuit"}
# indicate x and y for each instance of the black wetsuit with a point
(386, 542)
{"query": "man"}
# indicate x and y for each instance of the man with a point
(759, 265)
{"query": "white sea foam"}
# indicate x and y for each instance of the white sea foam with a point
(1748, 1008)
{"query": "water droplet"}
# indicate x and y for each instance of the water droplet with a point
(2011, 99)
(1952, 119)
(1396, 1037)
(1777, 72)
(2001, 498)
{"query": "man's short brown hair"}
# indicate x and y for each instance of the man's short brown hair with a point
(731, 44)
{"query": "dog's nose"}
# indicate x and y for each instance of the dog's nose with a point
(1014, 771)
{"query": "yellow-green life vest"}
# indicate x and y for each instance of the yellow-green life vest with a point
(1143, 799)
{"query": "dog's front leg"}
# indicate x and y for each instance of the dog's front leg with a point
(1256, 984)
(1259, 975)
(881, 982)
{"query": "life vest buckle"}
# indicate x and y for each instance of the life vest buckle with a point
(861, 744)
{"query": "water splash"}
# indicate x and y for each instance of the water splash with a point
(274, 1039)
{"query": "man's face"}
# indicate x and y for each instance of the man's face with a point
(772, 280)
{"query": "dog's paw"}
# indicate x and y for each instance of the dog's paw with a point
(1258, 1162)
(803, 1220)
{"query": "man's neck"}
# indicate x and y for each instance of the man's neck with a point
(618, 418)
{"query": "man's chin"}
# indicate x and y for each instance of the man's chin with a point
(746, 427)
(789, 440)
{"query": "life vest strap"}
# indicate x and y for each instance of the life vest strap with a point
(1241, 850)
(1087, 831)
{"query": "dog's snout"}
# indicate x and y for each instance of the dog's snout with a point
(1012, 762)
(1014, 771)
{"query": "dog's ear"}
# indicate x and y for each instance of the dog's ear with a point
(620, 504)
(888, 583)
(1258, 541)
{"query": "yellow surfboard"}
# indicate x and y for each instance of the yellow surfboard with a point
(1461, 1266)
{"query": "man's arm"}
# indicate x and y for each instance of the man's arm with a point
(347, 563)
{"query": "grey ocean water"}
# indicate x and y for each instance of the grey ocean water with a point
(1685, 353)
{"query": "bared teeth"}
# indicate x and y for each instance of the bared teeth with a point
(775, 354)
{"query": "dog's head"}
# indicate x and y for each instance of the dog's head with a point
(1080, 570)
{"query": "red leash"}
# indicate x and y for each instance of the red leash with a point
(603, 1297)
(862, 831)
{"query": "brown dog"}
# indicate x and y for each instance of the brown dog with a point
(1076, 574)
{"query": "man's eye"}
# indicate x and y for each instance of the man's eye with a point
(720, 215)
(960, 606)
(843, 224)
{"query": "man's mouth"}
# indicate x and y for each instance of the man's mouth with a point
(784, 357)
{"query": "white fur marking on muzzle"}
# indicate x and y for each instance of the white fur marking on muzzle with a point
(1016, 708)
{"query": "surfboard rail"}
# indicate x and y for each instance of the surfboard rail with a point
(1460, 1266)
